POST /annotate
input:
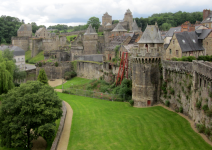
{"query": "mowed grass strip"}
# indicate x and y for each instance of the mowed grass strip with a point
(74, 81)
(99, 124)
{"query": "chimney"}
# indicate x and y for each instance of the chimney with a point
(206, 12)
(191, 27)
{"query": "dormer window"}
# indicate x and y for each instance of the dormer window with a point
(183, 41)
(208, 19)
(194, 40)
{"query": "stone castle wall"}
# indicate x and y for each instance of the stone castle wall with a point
(89, 70)
(22, 42)
(52, 71)
(185, 84)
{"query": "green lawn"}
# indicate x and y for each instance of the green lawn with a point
(37, 58)
(72, 82)
(70, 37)
(99, 124)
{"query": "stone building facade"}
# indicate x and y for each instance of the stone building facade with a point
(128, 17)
(42, 33)
(90, 41)
(207, 18)
(106, 19)
(25, 30)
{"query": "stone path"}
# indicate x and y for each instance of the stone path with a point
(191, 123)
(64, 139)
(56, 82)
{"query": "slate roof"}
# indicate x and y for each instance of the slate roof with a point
(135, 26)
(151, 35)
(172, 30)
(106, 14)
(208, 18)
(117, 40)
(191, 42)
(28, 27)
(17, 51)
(203, 33)
(119, 27)
(39, 30)
(90, 30)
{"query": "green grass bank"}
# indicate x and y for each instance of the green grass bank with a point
(99, 124)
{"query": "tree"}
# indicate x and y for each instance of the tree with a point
(94, 21)
(6, 74)
(17, 73)
(42, 77)
(165, 27)
(26, 113)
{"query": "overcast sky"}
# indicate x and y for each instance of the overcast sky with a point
(75, 12)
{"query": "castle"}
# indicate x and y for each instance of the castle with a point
(154, 77)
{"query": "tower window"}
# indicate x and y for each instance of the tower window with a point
(170, 51)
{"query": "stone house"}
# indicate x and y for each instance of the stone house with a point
(118, 30)
(207, 18)
(184, 44)
(25, 30)
(206, 37)
(150, 43)
(42, 33)
(19, 55)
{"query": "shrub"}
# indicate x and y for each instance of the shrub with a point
(172, 91)
(40, 64)
(56, 64)
(181, 109)
(113, 59)
(205, 107)
(70, 74)
(131, 102)
(167, 103)
(209, 113)
(198, 104)
(200, 128)
(207, 131)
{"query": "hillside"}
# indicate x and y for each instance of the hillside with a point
(35, 59)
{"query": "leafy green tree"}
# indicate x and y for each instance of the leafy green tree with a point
(165, 27)
(26, 111)
(8, 54)
(42, 76)
(94, 21)
(17, 74)
(6, 74)
(115, 21)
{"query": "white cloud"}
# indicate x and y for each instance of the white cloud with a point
(79, 11)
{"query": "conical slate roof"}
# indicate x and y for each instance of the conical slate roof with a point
(151, 35)
(119, 27)
(135, 26)
(90, 30)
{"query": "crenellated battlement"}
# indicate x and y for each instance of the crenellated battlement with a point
(146, 60)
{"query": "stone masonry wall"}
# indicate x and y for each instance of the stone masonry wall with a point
(184, 85)
(89, 70)
(52, 71)
(22, 42)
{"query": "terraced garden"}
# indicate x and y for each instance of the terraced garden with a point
(99, 124)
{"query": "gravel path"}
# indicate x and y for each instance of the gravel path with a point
(64, 139)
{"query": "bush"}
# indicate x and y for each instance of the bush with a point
(131, 102)
(40, 64)
(181, 109)
(56, 64)
(198, 104)
(209, 113)
(205, 108)
(172, 91)
(167, 103)
(70, 74)
(201, 128)
(113, 59)
(207, 131)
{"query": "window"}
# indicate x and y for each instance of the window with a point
(207, 43)
(170, 51)
(183, 41)
(194, 40)
(200, 82)
(204, 83)
(173, 41)
(177, 52)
